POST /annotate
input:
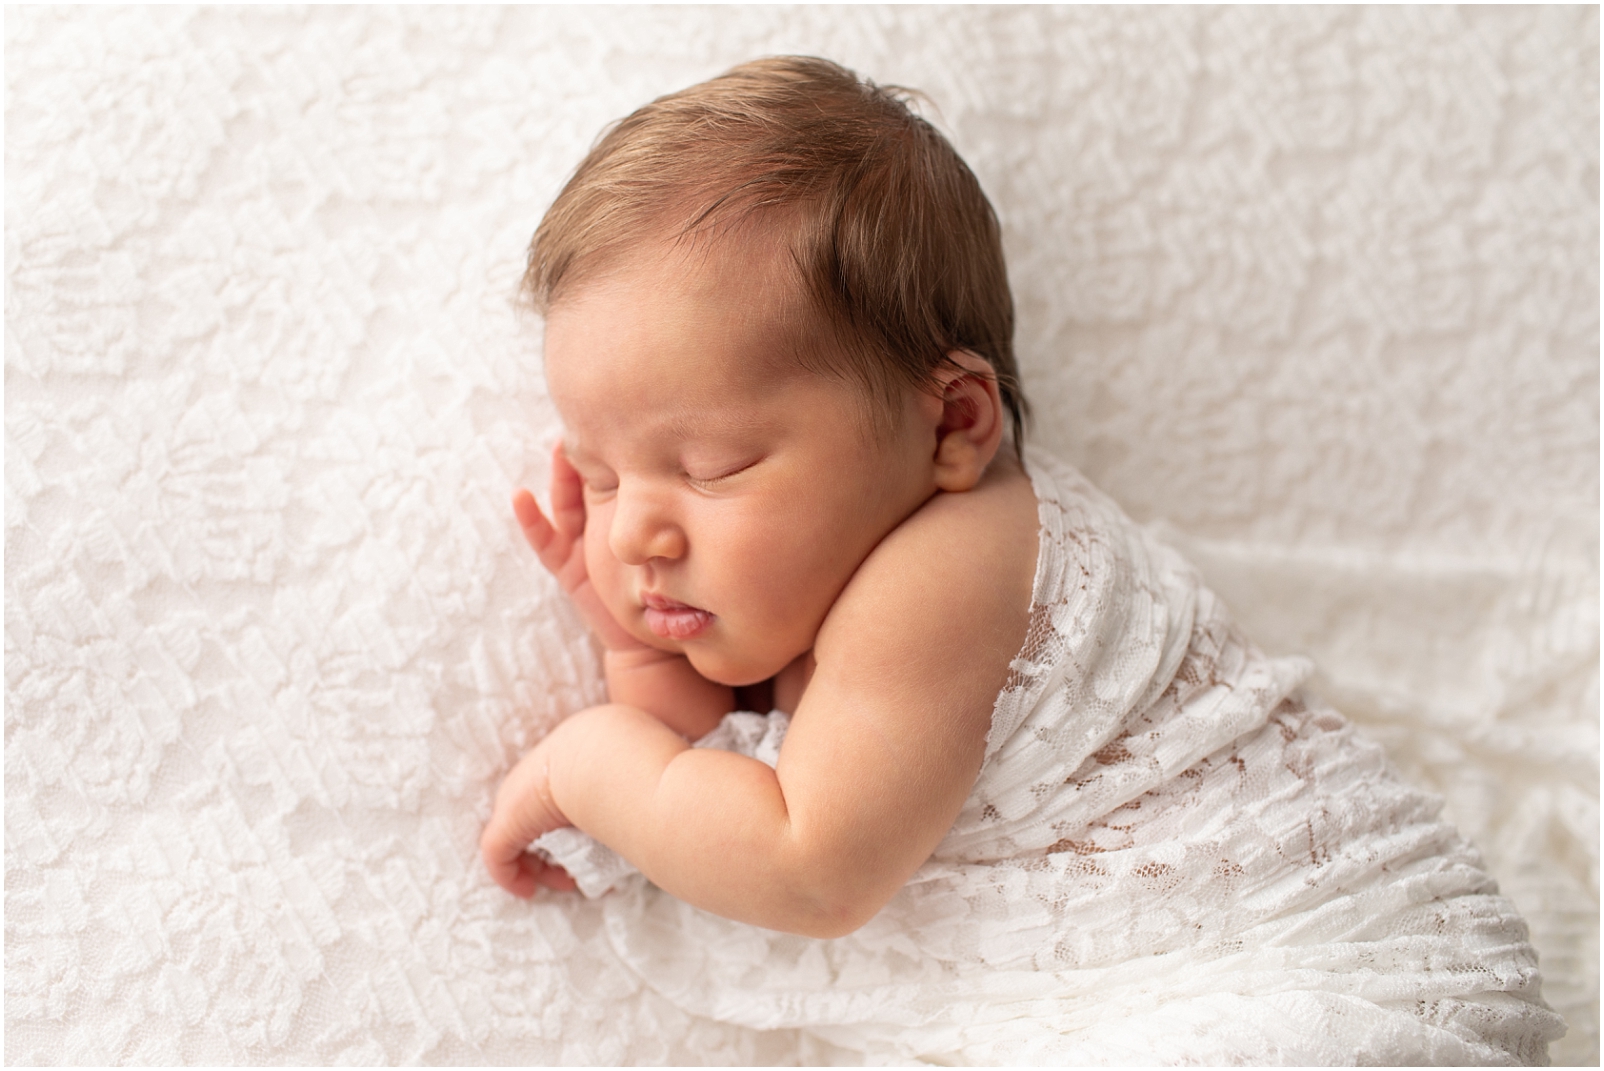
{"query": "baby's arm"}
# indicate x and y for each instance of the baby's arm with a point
(881, 752)
(662, 683)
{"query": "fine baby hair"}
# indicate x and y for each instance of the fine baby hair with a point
(897, 252)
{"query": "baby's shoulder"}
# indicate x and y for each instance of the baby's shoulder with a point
(954, 579)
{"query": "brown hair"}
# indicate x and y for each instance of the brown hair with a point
(888, 229)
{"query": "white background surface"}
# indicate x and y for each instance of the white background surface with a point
(1316, 290)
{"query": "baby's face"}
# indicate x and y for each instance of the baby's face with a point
(730, 494)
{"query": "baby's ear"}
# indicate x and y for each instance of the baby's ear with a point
(972, 420)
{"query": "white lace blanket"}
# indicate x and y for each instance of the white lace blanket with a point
(1168, 857)
(1317, 286)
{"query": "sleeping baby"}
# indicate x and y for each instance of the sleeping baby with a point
(916, 743)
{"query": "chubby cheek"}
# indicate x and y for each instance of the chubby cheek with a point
(784, 589)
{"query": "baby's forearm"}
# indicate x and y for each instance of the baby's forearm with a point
(668, 687)
(711, 827)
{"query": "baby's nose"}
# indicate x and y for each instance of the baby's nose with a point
(643, 529)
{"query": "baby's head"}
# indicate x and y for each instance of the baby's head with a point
(892, 252)
(777, 321)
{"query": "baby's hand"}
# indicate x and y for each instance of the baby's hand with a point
(561, 547)
(660, 682)
(524, 810)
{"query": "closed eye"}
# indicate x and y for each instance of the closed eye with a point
(720, 476)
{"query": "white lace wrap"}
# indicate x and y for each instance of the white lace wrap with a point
(1169, 856)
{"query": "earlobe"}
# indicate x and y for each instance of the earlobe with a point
(956, 468)
(971, 426)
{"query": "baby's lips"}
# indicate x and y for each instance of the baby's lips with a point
(673, 620)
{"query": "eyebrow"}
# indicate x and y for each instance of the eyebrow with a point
(685, 425)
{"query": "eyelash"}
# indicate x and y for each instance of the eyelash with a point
(711, 480)
(594, 486)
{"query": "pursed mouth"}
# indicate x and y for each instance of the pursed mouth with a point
(674, 620)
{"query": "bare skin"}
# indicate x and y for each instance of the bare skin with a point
(725, 521)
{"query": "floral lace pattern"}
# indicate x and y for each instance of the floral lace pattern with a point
(1317, 286)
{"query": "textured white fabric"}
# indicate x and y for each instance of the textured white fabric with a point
(1317, 288)
(1168, 856)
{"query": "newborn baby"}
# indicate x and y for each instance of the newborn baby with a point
(1036, 798)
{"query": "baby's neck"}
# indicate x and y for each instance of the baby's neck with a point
(783, 691)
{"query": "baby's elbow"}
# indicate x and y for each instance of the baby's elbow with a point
(827, 922)
(831, 906)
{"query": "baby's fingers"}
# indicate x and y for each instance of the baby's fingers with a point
(567, 495)
(555, 877)
(543, 539)
(519, 875)
(504, 849)
(526, 872)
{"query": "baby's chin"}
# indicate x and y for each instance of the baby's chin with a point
(732, 669)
